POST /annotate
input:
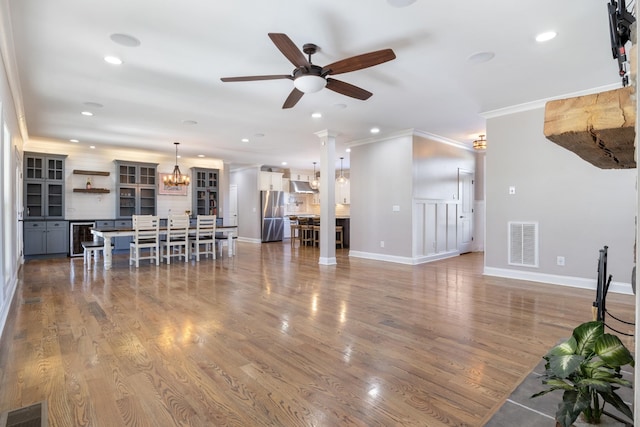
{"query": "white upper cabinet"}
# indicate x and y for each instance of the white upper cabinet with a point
(271, 181)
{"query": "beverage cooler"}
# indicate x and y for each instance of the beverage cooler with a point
(79, 232)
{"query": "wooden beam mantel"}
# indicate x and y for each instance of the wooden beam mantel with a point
(600, 128)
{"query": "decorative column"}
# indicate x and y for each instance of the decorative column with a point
(327, 197)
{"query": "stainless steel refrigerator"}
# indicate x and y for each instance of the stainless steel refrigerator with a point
(272, 205)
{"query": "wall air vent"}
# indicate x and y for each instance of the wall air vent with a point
(523, 244)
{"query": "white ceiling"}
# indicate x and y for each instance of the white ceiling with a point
(188, 45)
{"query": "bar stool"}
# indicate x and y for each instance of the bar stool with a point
(295, 229)
(339, 236)
(306, 233)
(316, 235)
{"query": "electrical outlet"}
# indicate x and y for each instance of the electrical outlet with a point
(512, 190)
(560, 260)
(382, 243)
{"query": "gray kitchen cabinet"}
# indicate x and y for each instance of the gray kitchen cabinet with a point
(136, 189)
(44, 179)
(122, 243)
(205, 191)
(46, 237)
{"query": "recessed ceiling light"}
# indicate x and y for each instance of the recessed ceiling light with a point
(375, 130)
(480, 57)
(92, 146)
(545, 37)
(400, 3)
(200, 155)
(113, 60)
(348, 150)
(74, 140)
(87, 113)
(124, 40)
(316, 115)
(189, 122)
(284, 163)
(245, 140)
(93, 104)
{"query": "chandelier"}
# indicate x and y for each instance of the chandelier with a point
(480, 144)
(176, 179)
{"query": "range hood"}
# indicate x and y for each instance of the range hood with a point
(301, 187)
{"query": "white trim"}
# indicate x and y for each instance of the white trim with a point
(554, 279)
(249, 240)
(402, 260)
(327, 260)
(4, 314)
(519, 108)
(411, 133)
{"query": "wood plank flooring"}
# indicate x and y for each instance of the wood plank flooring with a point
(271, 338)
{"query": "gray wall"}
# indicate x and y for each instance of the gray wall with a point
(393, 172)
(579, 207)
(380, 179)
(248, 202)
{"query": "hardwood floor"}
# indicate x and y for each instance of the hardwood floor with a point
(271, 338)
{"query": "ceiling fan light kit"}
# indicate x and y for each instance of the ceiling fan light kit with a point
(309, 83)
(309, 78)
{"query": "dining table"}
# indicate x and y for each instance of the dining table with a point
(108, 233)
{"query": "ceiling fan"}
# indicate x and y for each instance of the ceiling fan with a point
(308, 77)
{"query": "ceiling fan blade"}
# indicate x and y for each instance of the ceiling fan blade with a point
(359, 62)
(293, 98)
(289, 49)
(252, 78)
(348, 89)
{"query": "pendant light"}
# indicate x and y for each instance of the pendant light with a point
(341, 179)
(315, 184)
(176, 179)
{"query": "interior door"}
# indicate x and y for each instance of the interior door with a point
(233, 205)
(465, 211)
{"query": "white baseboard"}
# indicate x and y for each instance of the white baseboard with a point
(249, 240)
(4, 310)
(402, 260)
(327, 261)
(553, 279)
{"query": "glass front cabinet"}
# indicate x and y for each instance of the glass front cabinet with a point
(205, 191)
(136, 189)
(43, 186)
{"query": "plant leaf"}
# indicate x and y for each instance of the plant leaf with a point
(563, 366)
(612, 351)
(567, 347)
(572, 404)
(586, 336)
(615, 400)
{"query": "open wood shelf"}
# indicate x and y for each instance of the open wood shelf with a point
(91, 190)
(81, 172)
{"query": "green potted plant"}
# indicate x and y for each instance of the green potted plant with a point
(587, 368)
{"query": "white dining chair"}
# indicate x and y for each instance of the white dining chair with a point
(204, 241)
(146, 237)
(176, 241)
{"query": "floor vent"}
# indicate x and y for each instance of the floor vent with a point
(30, 416)
(32, 300)
(523, 244)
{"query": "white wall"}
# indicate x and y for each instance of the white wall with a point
(249, 227)
(11, 188)
(579, 207)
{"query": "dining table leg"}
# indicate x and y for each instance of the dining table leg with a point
(107, 252)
